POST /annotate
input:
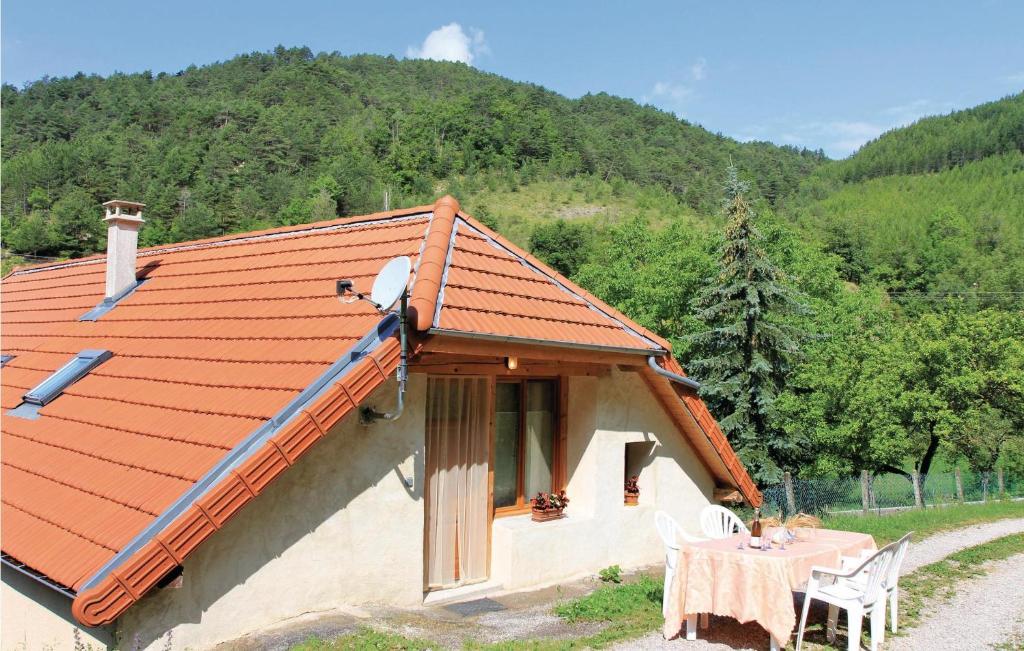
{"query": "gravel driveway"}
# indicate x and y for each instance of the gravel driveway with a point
(985, 599)
(941, 545)
(987, 611)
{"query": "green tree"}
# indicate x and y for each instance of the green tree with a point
(32, 235)
(652, 274)
(887, 394)
(195, 222)
(563, 245)
(77, 223)
(747, 350)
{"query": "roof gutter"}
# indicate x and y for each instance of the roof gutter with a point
(673, 377)
(10, 562)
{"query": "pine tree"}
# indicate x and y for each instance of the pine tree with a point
(744, 356)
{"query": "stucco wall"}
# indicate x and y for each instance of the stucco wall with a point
(340, 527)
(34, 617)
(605, 414)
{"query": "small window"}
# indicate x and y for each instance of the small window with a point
(65, 376)
(4, 359)
(526, 442)
(638, 455)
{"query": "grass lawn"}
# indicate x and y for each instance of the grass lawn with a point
(924, 522)
(365, 640)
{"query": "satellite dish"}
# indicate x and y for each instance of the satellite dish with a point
(390, 283)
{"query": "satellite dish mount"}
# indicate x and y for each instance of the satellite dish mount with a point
(389, 287)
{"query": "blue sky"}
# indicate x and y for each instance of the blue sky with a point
(815, 74)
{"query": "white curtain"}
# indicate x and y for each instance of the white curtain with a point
(457, 439)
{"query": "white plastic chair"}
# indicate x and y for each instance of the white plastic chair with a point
(720, 522)
(891, 583)
(671, 533)
(858, 598)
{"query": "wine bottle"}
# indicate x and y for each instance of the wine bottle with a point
(755, 529)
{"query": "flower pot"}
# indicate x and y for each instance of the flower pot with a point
(632, 499)
(543, 515)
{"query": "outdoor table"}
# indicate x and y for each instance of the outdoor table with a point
(748, 584)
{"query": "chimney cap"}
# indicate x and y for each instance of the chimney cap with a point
(121, 203)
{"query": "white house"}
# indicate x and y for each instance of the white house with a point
(183, 448)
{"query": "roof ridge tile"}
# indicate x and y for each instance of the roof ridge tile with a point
(231, 239)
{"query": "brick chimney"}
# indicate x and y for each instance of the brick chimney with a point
(123, 221)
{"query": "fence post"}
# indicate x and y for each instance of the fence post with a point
(915, 478)
(984, 485)
(1000, 482)
(872, 497)
(787, 480)
(959, 484)
(865, 496)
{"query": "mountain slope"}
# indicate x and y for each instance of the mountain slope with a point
(287, 137)
(937, 206)
(940, 142)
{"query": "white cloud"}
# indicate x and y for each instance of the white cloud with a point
(699, 69)
(905, 114)
(837, 137)
(674, 96)
(672, 91)
(1015, 78)
(451, 43)
(840, 138)
(668, 95)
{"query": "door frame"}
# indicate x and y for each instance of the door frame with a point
(560, 460)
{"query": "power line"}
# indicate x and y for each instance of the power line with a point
(955, 293)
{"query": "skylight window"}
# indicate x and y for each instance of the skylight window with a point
(65, 376)
(4, 359)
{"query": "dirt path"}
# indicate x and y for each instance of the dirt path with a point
(963, 614)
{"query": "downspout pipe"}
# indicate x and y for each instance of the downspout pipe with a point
(673, 377)
(369, 414)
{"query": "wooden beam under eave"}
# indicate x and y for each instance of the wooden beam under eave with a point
(483, 348)
(728, 495)
(500, 370)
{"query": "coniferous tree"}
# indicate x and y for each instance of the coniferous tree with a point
(747, 351)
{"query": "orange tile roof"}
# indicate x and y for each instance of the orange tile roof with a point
(233, 345)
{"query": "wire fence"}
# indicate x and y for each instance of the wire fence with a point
(887, 492)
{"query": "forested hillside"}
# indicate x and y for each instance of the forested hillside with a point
(287, 137)
(913, 284)
(934, 207)
(938, 143)
(907, 259)
(960, 229)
